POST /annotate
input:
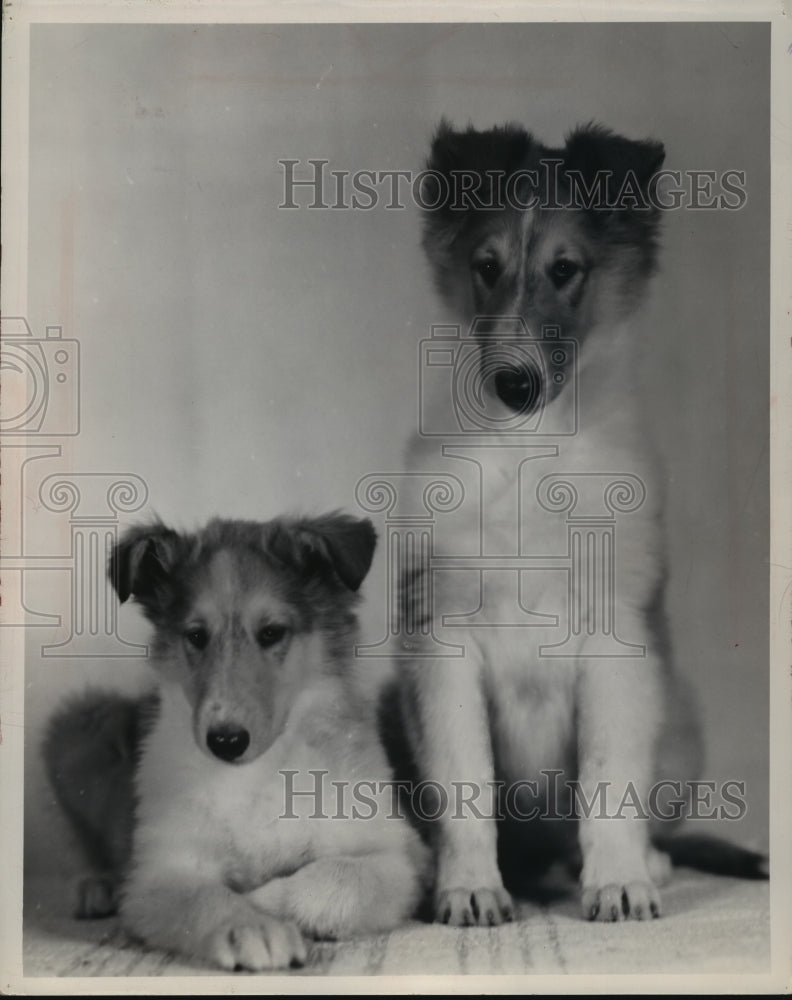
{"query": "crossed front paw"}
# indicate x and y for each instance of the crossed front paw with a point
(256, 943)
(473, 907)
(631, 901)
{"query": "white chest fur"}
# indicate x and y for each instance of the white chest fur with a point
(555, 548)
(250, 822)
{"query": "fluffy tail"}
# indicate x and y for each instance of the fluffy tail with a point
(711, 854)
(91, 749)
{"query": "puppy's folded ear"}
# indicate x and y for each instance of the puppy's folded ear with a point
(503, 148)
(336, 542)
(143, 561)
(625, 166)
(468, 169)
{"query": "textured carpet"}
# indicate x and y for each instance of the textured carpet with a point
(710, 925)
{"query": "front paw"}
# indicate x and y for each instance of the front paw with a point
(256, 942)
(476, 907)
(610, 903)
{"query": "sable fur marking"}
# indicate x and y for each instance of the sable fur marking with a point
(501, 711)
(91, 749)
(254, 625)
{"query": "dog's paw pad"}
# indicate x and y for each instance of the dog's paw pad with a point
(611, 903)
(477, 907)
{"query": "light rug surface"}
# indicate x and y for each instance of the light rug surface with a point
(710, 925)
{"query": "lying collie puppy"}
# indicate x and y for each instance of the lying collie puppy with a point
(240, 844)
(543, 255)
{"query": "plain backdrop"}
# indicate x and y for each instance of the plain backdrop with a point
(246, 360)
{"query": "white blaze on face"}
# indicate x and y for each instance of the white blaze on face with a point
(227, 596)
(224, 585)
(527, 227)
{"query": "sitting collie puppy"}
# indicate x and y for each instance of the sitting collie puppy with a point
(212, 801)
(544, 255)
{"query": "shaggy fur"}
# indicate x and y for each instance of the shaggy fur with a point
(239, 847)
(502, 710)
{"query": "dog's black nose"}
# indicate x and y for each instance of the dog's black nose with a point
(228, 742)
(520, 387)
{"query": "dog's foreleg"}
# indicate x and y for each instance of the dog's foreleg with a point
(341, 897)
(455, 755)
(619, 709)
(172, 910)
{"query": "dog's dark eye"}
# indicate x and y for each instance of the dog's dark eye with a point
(562, 271)
(269, 635)
(198, 638)
(488, 270)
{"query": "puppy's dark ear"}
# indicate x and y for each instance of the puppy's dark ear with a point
(337, 543)
(503, 148)
(486, 158)
(627, 164)
(143, 561)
